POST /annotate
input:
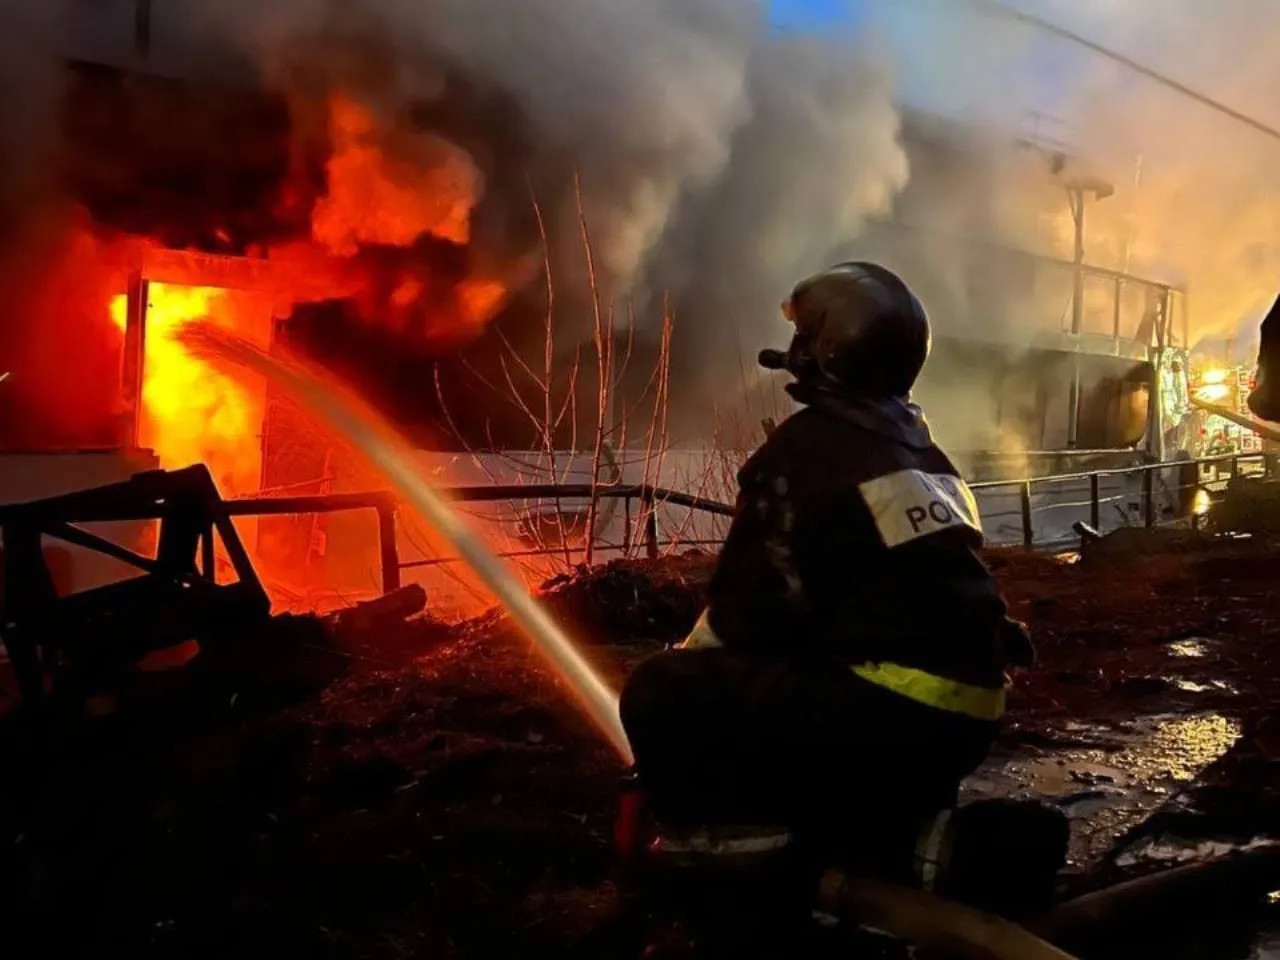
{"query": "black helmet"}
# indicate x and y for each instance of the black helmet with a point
(859, 329)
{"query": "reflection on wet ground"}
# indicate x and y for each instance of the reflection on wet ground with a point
(1126, 772)
(1112, 778)
(1190, 647)
(1152, 720)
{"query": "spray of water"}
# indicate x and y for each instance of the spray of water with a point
(391, 455)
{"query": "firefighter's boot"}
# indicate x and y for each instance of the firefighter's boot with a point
(716, 891)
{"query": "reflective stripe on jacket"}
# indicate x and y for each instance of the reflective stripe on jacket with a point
(941, 693)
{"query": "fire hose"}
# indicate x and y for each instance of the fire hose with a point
(928, 921)
(1264, 430)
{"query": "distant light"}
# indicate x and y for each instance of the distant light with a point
(1213, 392)
(1202, 502)
(1214, 376)
(5, 376)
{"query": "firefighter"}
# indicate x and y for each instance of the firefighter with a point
(1264, 397)
(849, 669)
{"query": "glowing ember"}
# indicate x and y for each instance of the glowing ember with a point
(481, 299)
(407, 293)
(374, 198)
(192, 412)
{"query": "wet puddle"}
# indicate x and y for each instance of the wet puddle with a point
(1119, 777)
(1194, 686)
(1126, 773)
(1191, 647)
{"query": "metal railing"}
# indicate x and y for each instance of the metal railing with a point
(384, 504)
(1093, 490)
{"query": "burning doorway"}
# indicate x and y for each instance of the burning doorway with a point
(187, 411)
(179, 406)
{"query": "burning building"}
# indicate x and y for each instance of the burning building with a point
(176, 201)
(402, 234)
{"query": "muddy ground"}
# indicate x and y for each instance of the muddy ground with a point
(428, 792)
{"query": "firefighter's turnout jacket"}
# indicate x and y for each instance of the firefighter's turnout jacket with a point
(855, 535)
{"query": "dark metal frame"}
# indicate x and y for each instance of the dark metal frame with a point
(38, 626)
(177, 598)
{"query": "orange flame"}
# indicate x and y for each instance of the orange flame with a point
(386, 186)
(480, 300)
(374, 198)
(191, 411)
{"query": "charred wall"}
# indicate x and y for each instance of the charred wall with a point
(194, 167)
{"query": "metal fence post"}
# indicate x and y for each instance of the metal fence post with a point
(1095, 503)
(1149, 498)
(387, 548)
(650, 524)
(1028, 531)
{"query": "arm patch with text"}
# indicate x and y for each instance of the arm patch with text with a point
(910, 504)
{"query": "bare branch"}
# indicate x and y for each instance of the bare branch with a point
(548, 361)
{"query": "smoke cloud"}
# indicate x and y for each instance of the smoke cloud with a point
(716, 161)
(719, 161)
(1196, 202)
(818, 156)
(1202, 208)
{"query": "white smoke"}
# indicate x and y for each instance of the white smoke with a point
(1196, 200)
(718, 161)
(819, 154)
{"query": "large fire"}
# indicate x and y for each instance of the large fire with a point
(191, 412)
(385, 187)
(376, 198)
(387, 231)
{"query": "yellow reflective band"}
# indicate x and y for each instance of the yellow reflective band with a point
(981, 703)
(701, 636)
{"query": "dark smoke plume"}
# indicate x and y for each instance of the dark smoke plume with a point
(718, 162)
(715, 161)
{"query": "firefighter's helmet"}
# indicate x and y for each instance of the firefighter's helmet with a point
(859, 328)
